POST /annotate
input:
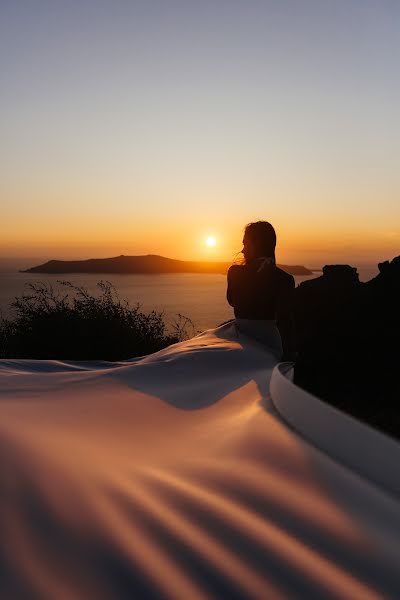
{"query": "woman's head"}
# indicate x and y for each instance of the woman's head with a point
(259, 240)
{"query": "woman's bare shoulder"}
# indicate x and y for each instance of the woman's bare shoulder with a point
(234, 269)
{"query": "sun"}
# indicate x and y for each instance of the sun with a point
(211, 241)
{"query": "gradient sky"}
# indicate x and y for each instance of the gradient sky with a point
(142, 127)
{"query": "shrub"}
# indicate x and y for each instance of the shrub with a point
(74, 324)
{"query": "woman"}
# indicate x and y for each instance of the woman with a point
(261, 293)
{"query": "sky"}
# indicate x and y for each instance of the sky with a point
(136, 127)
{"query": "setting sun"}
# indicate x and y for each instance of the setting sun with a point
(211, 241)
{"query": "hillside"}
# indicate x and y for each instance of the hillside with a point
(150, 264)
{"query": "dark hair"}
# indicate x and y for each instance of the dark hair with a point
(263, 236)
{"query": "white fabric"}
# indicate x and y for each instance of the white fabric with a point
(174, 476)
(266, 260)
(264, 331)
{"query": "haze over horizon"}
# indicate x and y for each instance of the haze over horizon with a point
(144, 127)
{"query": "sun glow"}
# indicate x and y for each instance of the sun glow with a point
(211, 241)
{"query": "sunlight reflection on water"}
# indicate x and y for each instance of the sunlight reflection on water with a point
(197, 296)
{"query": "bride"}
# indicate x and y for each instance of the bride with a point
(261, 293)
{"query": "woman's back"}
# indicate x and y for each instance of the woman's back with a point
(260, 290)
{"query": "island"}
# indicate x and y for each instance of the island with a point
(150, 264)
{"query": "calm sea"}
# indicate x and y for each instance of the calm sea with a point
(199, 297)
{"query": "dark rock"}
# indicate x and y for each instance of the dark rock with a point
(320, 300)
(349, 342)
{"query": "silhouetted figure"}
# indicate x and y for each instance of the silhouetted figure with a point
(261, 293)
(350, 343)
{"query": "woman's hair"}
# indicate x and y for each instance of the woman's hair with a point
(263, 236)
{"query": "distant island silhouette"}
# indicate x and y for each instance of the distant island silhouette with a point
(149, 264)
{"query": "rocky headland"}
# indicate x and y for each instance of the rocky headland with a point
(150, 264)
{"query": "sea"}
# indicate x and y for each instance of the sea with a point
(200, 297)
